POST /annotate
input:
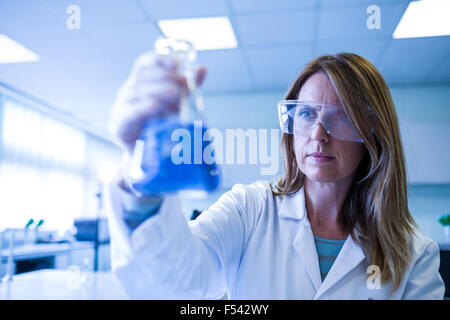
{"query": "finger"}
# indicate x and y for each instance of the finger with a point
(200, 76)
(166, 90)
(167, 61)
(144, 60)
(132, 88)
(159, 75)
(151, 107)
(155, 98)
(151, 59)
(155, 73)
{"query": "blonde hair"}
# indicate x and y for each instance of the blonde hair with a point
(376, 205)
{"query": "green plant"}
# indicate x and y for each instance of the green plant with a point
(445, 220)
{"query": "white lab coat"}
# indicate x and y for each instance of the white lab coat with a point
(251, 245)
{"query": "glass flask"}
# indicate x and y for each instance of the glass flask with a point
(168, 156)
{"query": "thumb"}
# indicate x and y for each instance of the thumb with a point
(200, 76)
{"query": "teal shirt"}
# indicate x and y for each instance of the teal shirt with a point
(327, 250)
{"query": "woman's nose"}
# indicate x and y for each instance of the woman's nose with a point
(319, 133)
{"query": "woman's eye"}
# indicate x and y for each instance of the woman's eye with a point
(306, 114)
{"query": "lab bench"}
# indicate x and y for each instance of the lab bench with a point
(62, 285)
(56, 256)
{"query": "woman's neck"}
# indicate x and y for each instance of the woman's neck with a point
(324, 202)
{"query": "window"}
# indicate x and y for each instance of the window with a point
(42, 169)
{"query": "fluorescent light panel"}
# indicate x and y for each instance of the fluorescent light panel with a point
(13, 52)
(425, 18)
(204, 33)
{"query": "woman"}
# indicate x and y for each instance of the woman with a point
(336, 227)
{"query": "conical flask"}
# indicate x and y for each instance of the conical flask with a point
(169, 154)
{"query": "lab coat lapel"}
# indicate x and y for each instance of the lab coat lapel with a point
(293, 206)
(306, 248)
(348, 258)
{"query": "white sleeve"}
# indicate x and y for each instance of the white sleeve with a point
(425, 282)
(167, 257)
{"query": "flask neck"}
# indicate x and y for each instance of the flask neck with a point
(191, 104)
(189, 111)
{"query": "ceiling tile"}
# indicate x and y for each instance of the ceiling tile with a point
(441, 71)
(175, 9)
(52, 14)
(130, 39)
(81, 68)
(413, 60)
(29, 14)
(122, 67)
(405, 73)
(96, 13)
(349, 3)
(276, 68)
(247, 6)
(55, 43)
(367, 49)
(85, 88)
(226, 71)
(351, 22)
(43, 80)
(276, 28)
(416, 50)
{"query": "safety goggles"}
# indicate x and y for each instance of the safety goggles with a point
(301, 117)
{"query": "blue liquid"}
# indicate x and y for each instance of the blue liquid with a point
(161, 173)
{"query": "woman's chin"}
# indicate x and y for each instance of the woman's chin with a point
(321, 177)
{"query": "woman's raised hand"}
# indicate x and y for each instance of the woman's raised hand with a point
(152, 90)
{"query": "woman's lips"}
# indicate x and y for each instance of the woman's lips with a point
(320, 158)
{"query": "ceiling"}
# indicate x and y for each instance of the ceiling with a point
(80, 70)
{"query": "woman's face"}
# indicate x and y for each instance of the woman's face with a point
(345, 155)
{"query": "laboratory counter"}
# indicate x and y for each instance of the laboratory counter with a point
(39, 250)
(62, 285)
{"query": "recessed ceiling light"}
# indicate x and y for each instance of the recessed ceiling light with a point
(425, 18)
(204, 33)
(13, 52)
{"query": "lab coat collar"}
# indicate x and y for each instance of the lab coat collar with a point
(351, 254)
(293, 206)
